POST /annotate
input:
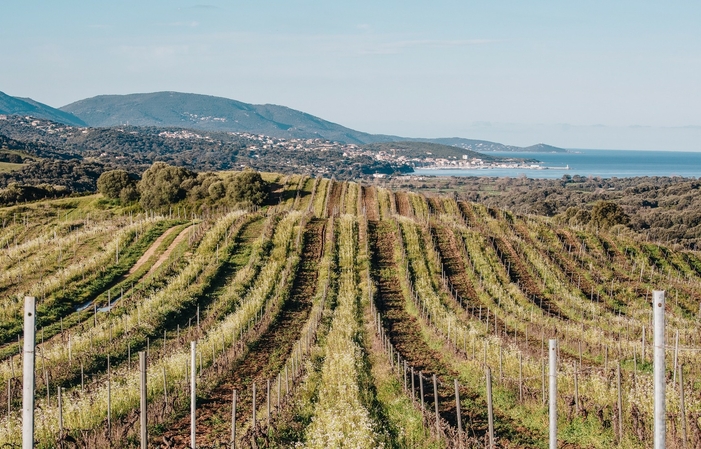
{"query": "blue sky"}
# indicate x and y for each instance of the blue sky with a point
(601, 74)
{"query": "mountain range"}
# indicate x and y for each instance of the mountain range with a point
(210, 113)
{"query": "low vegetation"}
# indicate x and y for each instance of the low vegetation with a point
(358, 312)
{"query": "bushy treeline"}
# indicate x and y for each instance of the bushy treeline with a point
(663, 208)
(135, 148)
(162, 185)
(48, 179)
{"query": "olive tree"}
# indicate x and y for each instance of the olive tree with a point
(248, 187)
(162, 184)
(112, 183)
(605, 214)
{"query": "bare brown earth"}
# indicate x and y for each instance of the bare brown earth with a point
(262, 361)
(150, 252)
(182, 236)
(334, 198)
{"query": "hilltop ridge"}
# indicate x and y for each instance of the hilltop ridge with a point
(10, 105)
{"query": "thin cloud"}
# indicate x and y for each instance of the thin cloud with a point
(204, 6)
(398, 46)
(184, 24)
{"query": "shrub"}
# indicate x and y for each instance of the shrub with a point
(162, 184)
(111, 183)
(248, 187)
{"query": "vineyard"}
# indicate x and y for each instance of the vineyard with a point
(340, 315)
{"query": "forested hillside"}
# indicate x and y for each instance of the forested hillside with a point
(340, 314)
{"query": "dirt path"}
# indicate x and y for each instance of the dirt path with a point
(405, 333)
(150, 251)
(370, 202)
(455, 268)
(264, 359)
(334, 198)
(403, 206)
(405, 330)
(166, 254)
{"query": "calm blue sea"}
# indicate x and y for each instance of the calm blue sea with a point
(604, 163)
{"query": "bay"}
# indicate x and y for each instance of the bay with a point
(602, 163)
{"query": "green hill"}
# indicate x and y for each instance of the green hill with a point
(209, 113)
(26, 106)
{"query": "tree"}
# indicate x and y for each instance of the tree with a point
(161, 185)
(605, 214)
(111, 183)
(248, 187)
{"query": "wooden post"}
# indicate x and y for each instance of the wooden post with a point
(576, 389)
(254, 405)
(165, 388)
(109, 397)
(421, 387)
(193, 393)
(682, 406)
(279, 388)
(553, 393)
(435, 403)
(457, 410)
(60, 412)
(659, 380)
(542, 378)
(413, 386)
(268, 399)
(233, 421)
(520, 377)
(676, 357)
(28, 373)
(405, 377)
(620, 402)
(490, 408)
(144, 399)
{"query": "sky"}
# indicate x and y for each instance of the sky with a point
(595, 74)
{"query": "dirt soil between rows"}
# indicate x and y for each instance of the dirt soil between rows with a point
(264, 359)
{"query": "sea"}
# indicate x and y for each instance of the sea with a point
(603, 163)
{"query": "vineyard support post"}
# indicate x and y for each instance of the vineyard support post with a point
(421, 387)
(28, 372)
(682, 405)
(60, 412)
(553, 393)
(165, 388)
(254, 405)
(143, 415)
(520, 377)
(659, 380)
(457, 410)
(676, 357)
(435, 403)
(413, 386)
(109, 396)
(233, 421)
(490, 409)
(268, 399)
(619, 403)
(193, 393)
